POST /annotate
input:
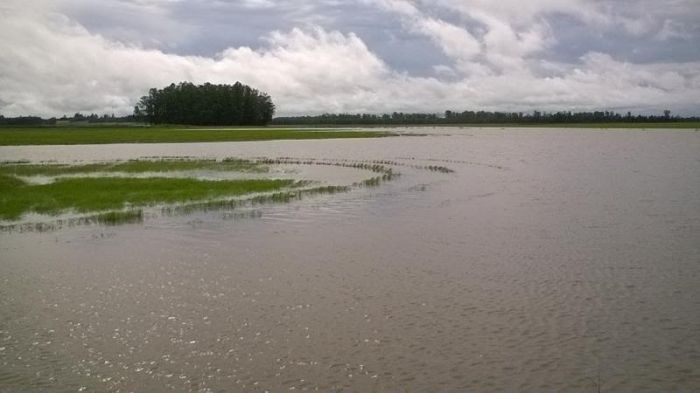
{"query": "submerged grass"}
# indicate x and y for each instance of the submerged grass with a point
(98, 194)
(120, 217)
(133, 166)
(277, 197)
(14, 136)
(111, 200)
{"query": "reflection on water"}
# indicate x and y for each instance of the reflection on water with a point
(548, 261)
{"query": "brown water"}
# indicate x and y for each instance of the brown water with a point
(550, 260)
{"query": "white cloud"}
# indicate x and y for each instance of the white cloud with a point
(402, 7)
(50, 65)
(454, 41)
(502, 47)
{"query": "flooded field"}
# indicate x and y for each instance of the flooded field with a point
(545, 260)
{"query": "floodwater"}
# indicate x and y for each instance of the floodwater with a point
(550, 260)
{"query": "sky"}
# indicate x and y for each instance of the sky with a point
(377, 56)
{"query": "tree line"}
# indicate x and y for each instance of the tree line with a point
(479, 117)
(92, 118)
(199, 109)
(26, 121)
(207, 104)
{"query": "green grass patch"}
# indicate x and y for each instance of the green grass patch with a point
(133, 166)
(99, 194)
(16, 136)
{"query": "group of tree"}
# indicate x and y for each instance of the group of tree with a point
(562, 117)
(363, 119)
(74, 119)
(479, 117)
(26, 121)
(95, 118)
(207, 104)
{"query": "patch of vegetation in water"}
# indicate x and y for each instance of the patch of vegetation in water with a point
(371, 182)
(133, 166)
(110, 200)
(108, 193)
(111, 218)
(16, 136)
(120, 217)
(377, 166)
(276, 197)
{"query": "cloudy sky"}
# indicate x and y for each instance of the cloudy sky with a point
(62, 56)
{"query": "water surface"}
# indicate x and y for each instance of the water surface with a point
(550, 260)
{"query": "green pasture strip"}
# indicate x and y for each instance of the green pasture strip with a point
(132, 166)
(16, 136)
(100, 194)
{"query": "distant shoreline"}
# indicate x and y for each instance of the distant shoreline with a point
(93, 135)
(138, 133)
(621, 125)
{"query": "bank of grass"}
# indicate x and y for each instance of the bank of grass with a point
(17, 136)
(101, 194)
(133, 166)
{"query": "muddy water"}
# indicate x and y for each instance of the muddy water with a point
(550, 260)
